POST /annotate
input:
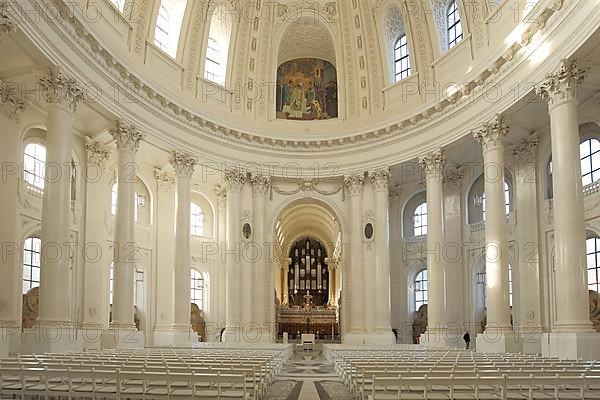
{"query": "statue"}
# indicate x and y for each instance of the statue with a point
(197, 322)
(420, 323)
(594, 303)
(31, 307)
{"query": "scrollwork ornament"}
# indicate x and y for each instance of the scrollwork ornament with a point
(260, 184)
(561, 86)
(183, 164)
(235, 179)
(433, 163)
(525, 151)
(62, 90)
(10, 100)
(96, 153)
(127, 136)
(380, 179)
(492, 133)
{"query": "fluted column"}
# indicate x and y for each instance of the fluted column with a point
(128, 141)
(527, 270)
(433, 165)
(491, 138)
(263, 291)
(356, 310)
(380, 180)
(559, 90)
(235, 181)
(62, 96)
(184, 169)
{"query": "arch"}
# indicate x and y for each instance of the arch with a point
(440, 14)
(210, 213)
(408, 211)
(215, 65)
(592, 245)
(199, 290)
(168, 25)
(412, 272)
(393, 26)
(476, 198)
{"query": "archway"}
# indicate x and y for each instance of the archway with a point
(308, 269)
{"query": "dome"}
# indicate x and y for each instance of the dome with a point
(359, 83)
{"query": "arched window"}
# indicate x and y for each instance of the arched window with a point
(119, 4)
(138, 279)
(34, 164)
(197, 289)
(510, 285)
(217, 49)
(420, 220)
(197, 220)
(420, 289)
(589, 151)
(32, 250)
(593, 263)
(455, 33)
(401, 59)
(168, 25)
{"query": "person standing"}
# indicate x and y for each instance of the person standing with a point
(467, 339)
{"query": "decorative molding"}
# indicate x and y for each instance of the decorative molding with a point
(453, 177)
(183, 164)
(561, 86)
(355, 184)
(6, 25)
(309, 185)
(163, 178)
(380, 178)
(126, 136)
(526, 151)
(492, 133)
(235, 179)
(260, 184)
(61, 89)
(221, 192)
(433, 163)
(96, 153)
(11, 102)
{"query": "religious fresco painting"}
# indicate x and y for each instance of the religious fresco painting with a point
(307, 90)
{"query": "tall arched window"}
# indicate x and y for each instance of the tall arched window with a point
(217, 49)
(401, 59)
(455, 33)
(114, 198)
(196, 220)
(506, 200)
(34, 164)
(138, 279)
(197, 289)
(168, 25)
(420, 289)
(593, 263)
(420, 220)
(32, 250)
(589, 151)
(119, 4)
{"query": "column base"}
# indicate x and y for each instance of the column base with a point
(386, 338)
(10, 338)
(497, 342)
(249, 335)
(52, 338)
(116, 338)
(530, 342)
(571, 346)
(175, 337)
(442, 339)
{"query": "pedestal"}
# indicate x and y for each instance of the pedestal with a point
(530, 343)
(506, 342)
(49, 338)
(571, 346)
(115, 338)
(170, 337)
(369, 338)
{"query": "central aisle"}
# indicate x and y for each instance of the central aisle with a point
(308, 376)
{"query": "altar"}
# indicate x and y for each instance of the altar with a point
(308, 320)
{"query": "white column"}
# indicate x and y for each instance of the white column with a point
(184, 169)
(559, 90)
(220, 306)
(10, 245)
(263, 290)
(355, 287)
(433, 165)
(526, 272)
(231, 251)
(491, 138)
(286, 282)
(380, 180)
(496, 235)
(62, 96)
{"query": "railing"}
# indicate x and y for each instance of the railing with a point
(592, 188)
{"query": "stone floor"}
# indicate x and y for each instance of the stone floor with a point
(308, 376)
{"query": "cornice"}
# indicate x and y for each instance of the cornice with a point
(115, 68)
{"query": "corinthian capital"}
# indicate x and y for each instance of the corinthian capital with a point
(126, 136)
(492, 133)
(561, 85)
(183, 164)
(62, 90)
(433, 163)
(354, 183)
(96, 153)
(260, 184)
(235, 179)
(525, 151)
(380, 178)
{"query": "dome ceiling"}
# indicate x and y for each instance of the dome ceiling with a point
(306, 37)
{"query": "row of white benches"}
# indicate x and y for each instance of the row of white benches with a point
(463, 375)
(150, 374)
